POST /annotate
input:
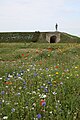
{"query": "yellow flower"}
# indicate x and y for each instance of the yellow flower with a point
(57, 73)
(76, 67)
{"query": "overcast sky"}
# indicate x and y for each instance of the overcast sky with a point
(40, 15)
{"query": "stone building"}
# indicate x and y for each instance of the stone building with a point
(41, 37)
(50, 37)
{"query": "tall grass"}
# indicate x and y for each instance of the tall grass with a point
(39, 81)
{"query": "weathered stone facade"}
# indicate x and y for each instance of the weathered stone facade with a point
(55, 36)
(50, 37)
(42, 37)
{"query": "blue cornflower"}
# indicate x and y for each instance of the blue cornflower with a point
(39, 116)
(49, 82)
(19, 75)
(47, 69)
(35, 74)
(15, 76)
(2, 92)
(7, 78)
(24, 87)
(0, 103)
(43, 103)
(42, 86)
(13, 110)
(24, 82)
(46, 90)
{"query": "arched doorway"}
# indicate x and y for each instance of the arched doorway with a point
(53, 39)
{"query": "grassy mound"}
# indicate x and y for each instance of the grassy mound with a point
(67, 38)
(37, 37)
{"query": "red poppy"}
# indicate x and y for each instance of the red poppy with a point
(49, 49)
(22, 55)
(57, 67)
(42, 101)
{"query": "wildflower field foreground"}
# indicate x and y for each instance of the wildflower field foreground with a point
(39, 81)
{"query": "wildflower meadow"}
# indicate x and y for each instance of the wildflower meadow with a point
(39, 81)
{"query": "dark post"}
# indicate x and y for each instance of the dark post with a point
(56, 26)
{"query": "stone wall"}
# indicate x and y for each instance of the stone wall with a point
(41, 37)
(19, 36)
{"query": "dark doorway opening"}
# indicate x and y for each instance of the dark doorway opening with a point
(53, 39)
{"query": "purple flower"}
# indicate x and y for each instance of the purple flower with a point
(15, 76)
(61, 83)
(39, 116)
(12, 110)
(43, 103)
(42, 86)
(0, 103)
(2, 92)
(46, 90)
(7, 78)
(49, 82)
(19, 75)
(24, 82)
(24, 87)
(35, 74)
(46, 68)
